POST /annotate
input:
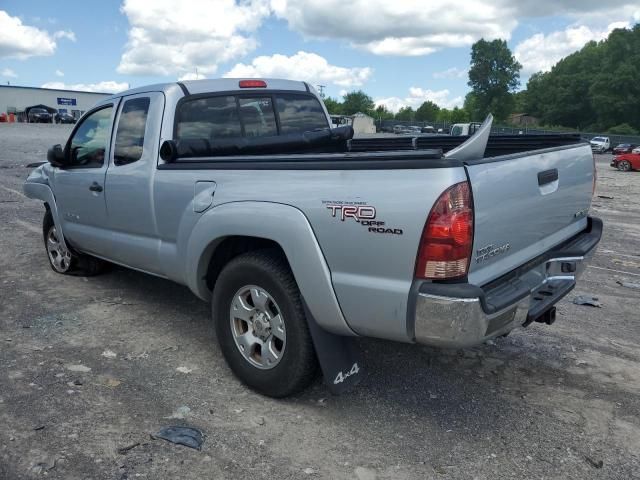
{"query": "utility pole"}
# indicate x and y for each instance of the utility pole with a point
(321, 88)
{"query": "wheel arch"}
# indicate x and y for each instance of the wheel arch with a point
(233, 228)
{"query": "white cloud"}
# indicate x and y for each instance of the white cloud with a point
(8, 73)
(398, 28)
(23, 41)
(418, 27)
(540, 52)
(417, 96)
(109, 86)
(302, 66)
(191, 76)
(453, 72)
(68, 34)
(59, 73)
(173, 38)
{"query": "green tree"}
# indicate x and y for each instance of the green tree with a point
(459, 115)
(405, 114)
(357, 102)
(428, 111)
(493, 77)
(382, 113)
(595, 88)
(444, 115)
(623, 129)
(333, 106)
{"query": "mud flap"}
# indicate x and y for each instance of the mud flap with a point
(337, 355)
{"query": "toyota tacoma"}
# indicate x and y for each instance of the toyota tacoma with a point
(303, 238)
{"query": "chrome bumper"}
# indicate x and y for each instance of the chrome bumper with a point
(455, 322)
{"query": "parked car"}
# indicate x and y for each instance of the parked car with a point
(177, 180)
(626, 162)
(401, 130)
(64, 118)
(623, 148)
(600, 144)
(464, 129)
(636, 150)
(39, 115)
(428, 129)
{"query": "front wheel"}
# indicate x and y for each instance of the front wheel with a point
(624, 166)
(261, 326)
(62, 259)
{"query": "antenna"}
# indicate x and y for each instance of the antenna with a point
(321, 88)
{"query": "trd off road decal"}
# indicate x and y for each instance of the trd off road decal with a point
(361, 213)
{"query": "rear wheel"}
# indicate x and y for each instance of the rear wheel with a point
(624, 166)
(62, 259)
(261, 326)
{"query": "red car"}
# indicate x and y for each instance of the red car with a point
(626, 162)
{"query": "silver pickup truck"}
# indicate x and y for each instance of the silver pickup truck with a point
(303, 237)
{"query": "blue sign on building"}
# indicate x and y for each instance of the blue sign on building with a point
(66, 101)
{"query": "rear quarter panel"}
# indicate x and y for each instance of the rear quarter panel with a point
(371, 272)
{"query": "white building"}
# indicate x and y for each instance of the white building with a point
(15, 99)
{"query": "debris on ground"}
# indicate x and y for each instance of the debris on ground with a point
(590, 301)
(124, 450)
(606, 197)
(594, 463)
(109, 354)
(184, 369)
(78, 368)
(629, 284)
(180, 412)
(187, 436)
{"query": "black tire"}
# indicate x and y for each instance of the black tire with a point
(79, 264)
(624, 166)
(298, 365)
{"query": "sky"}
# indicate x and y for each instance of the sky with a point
(400, 52)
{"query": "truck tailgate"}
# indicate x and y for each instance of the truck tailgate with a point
(525, 204)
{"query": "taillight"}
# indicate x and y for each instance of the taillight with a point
(447, 238)
(252, 84)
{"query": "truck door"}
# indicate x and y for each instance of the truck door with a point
(129, 181)
(79, 187)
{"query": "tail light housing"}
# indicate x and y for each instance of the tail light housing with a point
(447, 239)
(252, 84)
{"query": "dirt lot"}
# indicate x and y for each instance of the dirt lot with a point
(90, 366)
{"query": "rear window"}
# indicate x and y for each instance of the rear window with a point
(258, 117)
(299, 113)
(227, 117)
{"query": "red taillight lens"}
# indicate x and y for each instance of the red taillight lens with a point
(447, 238)
(252, 84)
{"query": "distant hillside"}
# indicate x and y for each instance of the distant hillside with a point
(597, 88)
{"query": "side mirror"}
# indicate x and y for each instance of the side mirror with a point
(56, 157)
(169, 151)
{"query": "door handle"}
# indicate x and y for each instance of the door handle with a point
(547, 176)
(95, 187)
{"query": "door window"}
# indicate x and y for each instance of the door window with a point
(89, 142)
(130, 132)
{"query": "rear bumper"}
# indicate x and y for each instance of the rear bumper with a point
(461, 315)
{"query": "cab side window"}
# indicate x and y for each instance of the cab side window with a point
(89, 142)
(130, 133)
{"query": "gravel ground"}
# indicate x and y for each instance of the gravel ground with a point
(90, 366)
